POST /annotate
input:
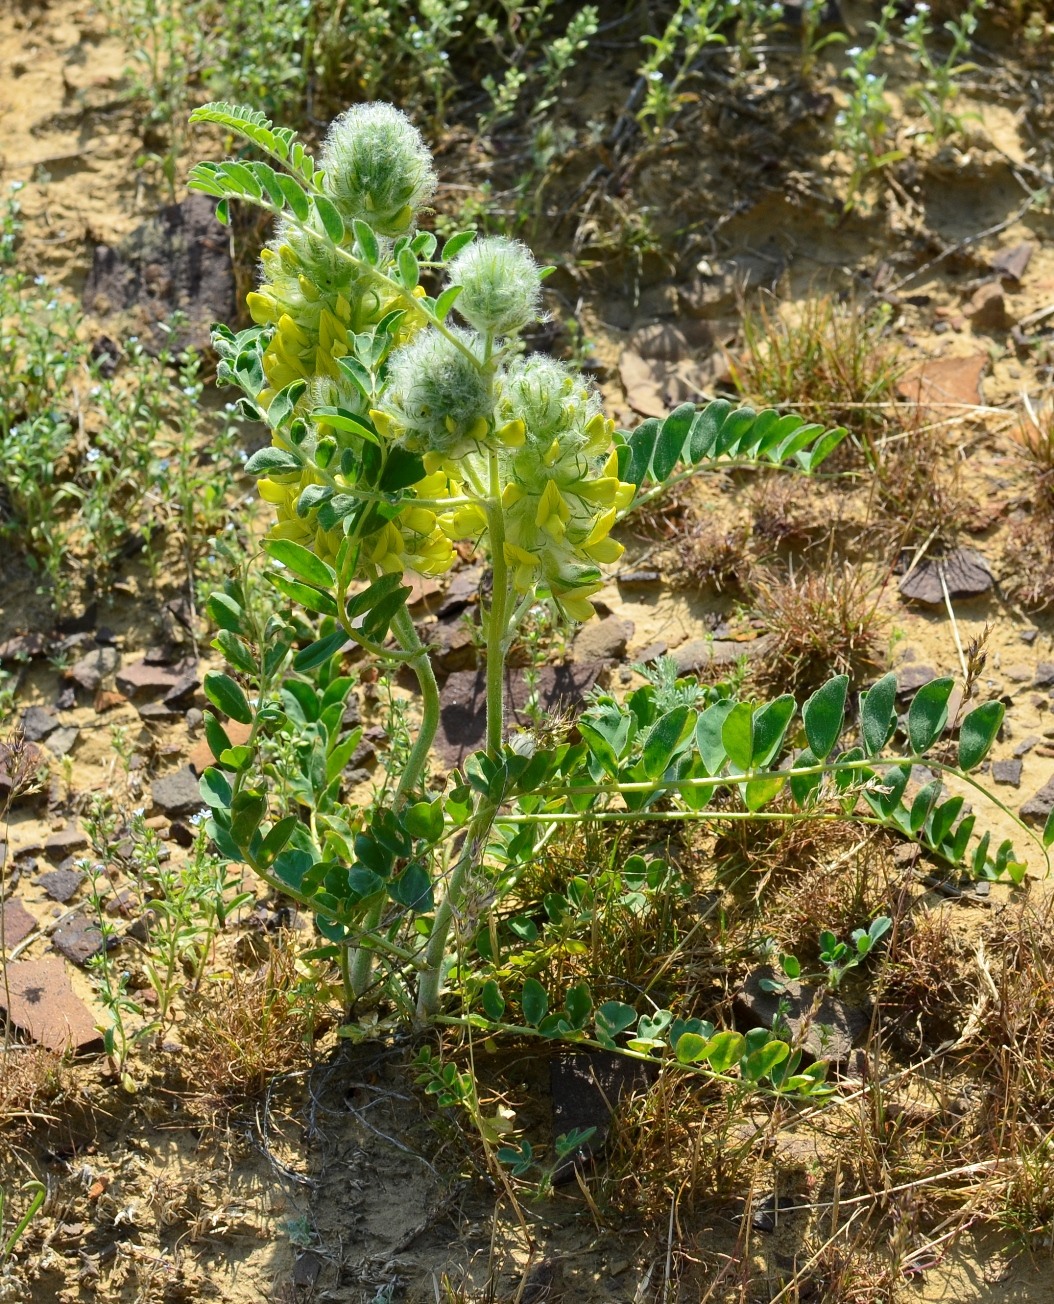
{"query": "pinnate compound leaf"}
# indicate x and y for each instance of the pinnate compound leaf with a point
(823, 715)
(708, 735)
(366, 239)
(413, 889)
(424, 819)
(877, 713)
(928, 714)
(215, 791)
(332, 222)
(761, 1062)
(978, 732)
(614, 1017)
(690, 1048)
(266, 460)
(737, 735)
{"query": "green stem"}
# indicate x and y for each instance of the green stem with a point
(435, 951)
(422, 664)
(361, 961)
(497, 617)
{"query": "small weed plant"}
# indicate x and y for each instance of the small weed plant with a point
(407, 424)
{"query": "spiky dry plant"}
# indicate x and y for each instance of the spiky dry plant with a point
(819, 622)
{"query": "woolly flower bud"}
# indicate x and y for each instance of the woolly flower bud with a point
(502, 289)
(548, 398)
(438, 394)
(378, 168)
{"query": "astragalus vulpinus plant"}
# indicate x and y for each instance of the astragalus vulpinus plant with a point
(407, 420)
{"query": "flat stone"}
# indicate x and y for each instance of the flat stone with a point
(1018, 674)
(17, 924)
(44, 1005)
(177, 262)
(64, 843)
(911, 678)
(987, 308)
(177, 793)
(1039, 806)
(23, 647)
(63, 740)
(94, 668)
(844, 1024)
(158, 712)
(1007, 772)
(462, 591)
(603, 640)
(182, 693)
(585, 1087)
(141, 680)
(180, 833)
(943, 383)
(61, 884)
(1025, 746)
(966, 575)
(1011, 263)
(80, 940)
(1044, 676)
(703, 653)
(453, 642)
(667, 363)
(462, 721)
(38, 723)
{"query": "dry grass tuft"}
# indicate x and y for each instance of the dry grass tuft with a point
(717, 557)
(917, 495)
(253, 1027)
(820, 622)
(834, 363)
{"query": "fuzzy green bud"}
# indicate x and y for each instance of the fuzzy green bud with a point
(378, 168)
(438, 392)
(502, 288)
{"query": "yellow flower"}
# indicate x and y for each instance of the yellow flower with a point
(553, 512)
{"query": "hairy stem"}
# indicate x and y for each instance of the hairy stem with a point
(435, 952)
(361, 957)
(498, 616)
(422, 664)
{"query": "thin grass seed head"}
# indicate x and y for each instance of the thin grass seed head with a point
(501, 285)
(378, 168)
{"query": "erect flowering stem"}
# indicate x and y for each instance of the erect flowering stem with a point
(498, 616)
(422, 664)
(483, 820)
(435, 952)
(361, 957)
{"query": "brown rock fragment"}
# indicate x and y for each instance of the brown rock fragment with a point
(43, 1004)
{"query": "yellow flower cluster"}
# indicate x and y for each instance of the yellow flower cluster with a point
(560, 505)
(315, 300)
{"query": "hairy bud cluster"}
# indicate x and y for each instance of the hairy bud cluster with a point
(501, 286)
(521, 437)
(438, 394)
(378, 168)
